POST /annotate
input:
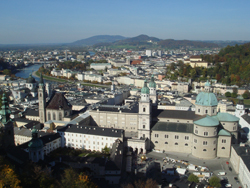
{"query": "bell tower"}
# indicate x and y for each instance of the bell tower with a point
(42, 100)
(144, 113)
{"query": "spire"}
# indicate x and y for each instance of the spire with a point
(145, 89)
(5, 112)
(41, 79)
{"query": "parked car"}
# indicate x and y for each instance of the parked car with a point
(228, 185)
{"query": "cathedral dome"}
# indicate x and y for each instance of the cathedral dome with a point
(145, 89)
(31, 80)
(152, 82)
(206, 99)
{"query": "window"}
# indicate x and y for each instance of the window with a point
(144, 109)
(194, 147)
(176, 143)
(186, 144)
(223, 148)
(54, 116)
(223, 141)
(186, 137)
(60, 116)
(49, 116)
(143, 126)
(199, 110)
(204, 142)
(156, 135)
(205, 133)
(166, 142)
(206, 111)
(166, 136)
(195, 140)
(176, 137)
(156, 142)
(214, 149)
(204, 150)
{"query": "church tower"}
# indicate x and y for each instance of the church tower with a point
(240, 108)
(42, 100)
(6, 125)
(144, 113)
(152, 89)
(35, 147)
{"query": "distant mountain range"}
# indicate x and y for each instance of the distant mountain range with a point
(141, 40)
(117, 41)
(98, 39)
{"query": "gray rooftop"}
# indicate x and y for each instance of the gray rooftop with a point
(173, 127)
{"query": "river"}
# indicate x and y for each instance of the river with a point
(26, 71)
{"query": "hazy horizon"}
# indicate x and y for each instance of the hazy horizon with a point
(61, 21)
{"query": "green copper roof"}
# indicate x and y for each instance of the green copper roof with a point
(226, 117)
(208, 121)
(206, 99)
(207, 83)
(31, 79)
(152, 82)
(35, 143)
(223, 132)
(145, 89)
(5, 112)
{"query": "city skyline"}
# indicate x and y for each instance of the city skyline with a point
(31, 22)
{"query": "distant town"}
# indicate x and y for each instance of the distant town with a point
(123, 117)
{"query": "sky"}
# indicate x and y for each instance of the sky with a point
(64, 21)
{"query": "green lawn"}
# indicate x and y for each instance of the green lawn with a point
(63, 80)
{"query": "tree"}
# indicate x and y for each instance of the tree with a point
(142, 184)
(193, 178)
(7, 72)
(246, 94)
(214, 181)
(106, 150)
(228, 94)
(234, 95)
(8, 177)
(69, 178)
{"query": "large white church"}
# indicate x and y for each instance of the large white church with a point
(204, 133)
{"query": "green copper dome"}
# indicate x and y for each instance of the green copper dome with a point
(35, 143)
(145, 89)
(152, 82)
(206, 99)
(208, 121)
(31, 80)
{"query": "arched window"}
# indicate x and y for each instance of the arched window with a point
(144, 109)
(60, 116)
(156, 142)
(186, 144)
(176, 143)
(49, 116)
(223, 148)
(166, 142)
(54, 116)
(194, 147)
(204, 150)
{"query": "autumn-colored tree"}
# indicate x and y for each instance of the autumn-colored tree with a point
(149, 183)
(8, 177)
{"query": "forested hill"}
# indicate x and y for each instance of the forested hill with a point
(171, 43)
(232, 64)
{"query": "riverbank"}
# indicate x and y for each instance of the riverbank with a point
(60, 80)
